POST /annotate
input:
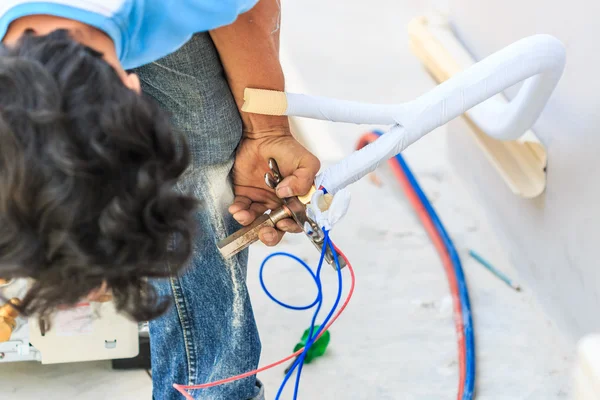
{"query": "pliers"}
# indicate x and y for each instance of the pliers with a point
(293, 207)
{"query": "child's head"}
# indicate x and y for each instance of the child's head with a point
(87, 175)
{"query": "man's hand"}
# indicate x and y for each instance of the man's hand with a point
(249, 51)
(253, 197)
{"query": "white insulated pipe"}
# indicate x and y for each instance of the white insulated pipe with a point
(537, 60)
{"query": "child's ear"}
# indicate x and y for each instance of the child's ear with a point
(133, 82)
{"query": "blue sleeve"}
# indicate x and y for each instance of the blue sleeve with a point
(157, 28)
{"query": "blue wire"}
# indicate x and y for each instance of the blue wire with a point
(320, 302)
(469, 384)
(311, 336)
(301, 262)
(298, 363)
(310, 340)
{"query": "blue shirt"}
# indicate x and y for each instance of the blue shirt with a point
(142, 30)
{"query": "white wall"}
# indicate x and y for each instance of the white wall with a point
(554, 240)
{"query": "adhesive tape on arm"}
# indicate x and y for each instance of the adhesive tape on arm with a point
(266, 102)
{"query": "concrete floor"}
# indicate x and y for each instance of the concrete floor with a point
(396, 340)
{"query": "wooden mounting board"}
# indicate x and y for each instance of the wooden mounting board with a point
(521, 163)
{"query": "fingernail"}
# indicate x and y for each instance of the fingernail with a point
(285, 227)
(269, 237)
(241, 219)
(285, 191)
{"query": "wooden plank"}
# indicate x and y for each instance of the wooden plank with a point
(521, 163)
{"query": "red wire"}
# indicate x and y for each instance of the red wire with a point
(442, 251)
(182, 388)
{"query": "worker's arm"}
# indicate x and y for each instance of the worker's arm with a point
(249, 51)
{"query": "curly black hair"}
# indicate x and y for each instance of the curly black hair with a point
(88, 173)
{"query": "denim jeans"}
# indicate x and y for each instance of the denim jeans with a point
(209, 333)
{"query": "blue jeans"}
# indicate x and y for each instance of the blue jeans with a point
(209, 333)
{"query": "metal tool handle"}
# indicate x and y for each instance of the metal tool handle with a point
(243, 238)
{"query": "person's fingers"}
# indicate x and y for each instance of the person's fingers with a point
(301, 180)
(239, 203)
(270, 236)
(258, 195)
(246, 217)
(288, 225)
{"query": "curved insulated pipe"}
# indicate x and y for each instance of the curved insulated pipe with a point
(538, 60)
